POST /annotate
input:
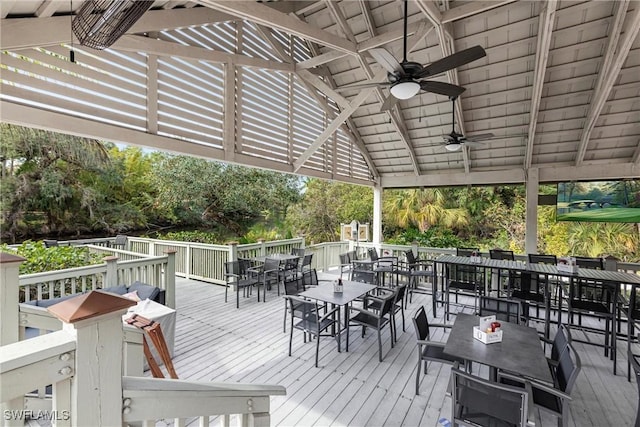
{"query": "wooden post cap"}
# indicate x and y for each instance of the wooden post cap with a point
(6, 258)
(92, 304)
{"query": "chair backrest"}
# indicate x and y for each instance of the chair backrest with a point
(120, 240)
(344, 259)
(50, 243)
(542, 259)
(387, 304)
(568, 369)
(421, 324)
(353, 256)
(560, 343)
(501, 254)
(466, 251)
(303, 309)
(504, 309)
(363, 272)
(271, 264)
(306, 260)
(401, 291)
(298, 252)
(411, 258)
(373, 254)
(292, 285)
(231, 267)
(477, 401)
(245, 264)
(592, 263)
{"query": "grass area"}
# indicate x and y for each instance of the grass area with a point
(602, 215)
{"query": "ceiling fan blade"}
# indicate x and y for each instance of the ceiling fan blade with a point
(384, 58)
(452, 61)
(361, 86)
(388, 103)
(473, 144)
(441, 88)
(480, 137)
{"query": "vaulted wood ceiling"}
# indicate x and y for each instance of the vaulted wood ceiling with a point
(253, 83)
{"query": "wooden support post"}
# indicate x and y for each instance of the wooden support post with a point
(111, 276)
(233, 251)
(95, 319)
(170, 279)
(9, 327)
(377, 215)
(531, 227)
(9, 297)
(263, 247)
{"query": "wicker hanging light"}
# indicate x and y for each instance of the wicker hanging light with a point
(99, 23)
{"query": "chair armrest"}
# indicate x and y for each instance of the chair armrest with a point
(549, 389)
(330, 313)
(532, 419)
(431, 343)
(227, 275)
(362, 310)
(440, 325)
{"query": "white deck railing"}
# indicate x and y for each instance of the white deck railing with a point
(80, 360)
(153, 270)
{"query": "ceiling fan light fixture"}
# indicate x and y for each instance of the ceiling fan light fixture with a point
(405, 90)
(453, 146)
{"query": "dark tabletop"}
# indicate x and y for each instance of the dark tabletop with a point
(351, 291)
(520, 351)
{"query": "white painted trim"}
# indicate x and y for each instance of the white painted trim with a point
(531, 221)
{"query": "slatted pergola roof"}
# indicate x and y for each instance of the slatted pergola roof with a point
(253, 83)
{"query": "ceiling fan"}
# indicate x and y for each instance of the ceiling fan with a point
(404, 78)
(454, 141)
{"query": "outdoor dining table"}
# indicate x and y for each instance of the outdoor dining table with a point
(520, 351)
(351, 291)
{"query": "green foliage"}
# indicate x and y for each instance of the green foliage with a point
(40, 258)
(435, 237)
(196, 236)
(325, 205)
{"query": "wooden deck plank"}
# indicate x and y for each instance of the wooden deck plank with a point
(217, 342)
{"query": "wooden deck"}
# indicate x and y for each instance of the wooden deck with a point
(217, 342)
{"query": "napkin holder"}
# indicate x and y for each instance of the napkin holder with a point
(480, 332)
(337, 286)
(567, 265)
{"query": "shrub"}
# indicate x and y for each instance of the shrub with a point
(40, 258)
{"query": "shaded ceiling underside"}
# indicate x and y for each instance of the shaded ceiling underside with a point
(253, 83)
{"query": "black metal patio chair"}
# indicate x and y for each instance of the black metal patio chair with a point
(429, 351)
(476, 401)
(374, 319)
(305, 316)
(235, 274)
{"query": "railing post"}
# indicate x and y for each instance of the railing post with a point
(95, 319)
(233, 251)
(111, 275)
(263, 247)
(9, 297)
(170, 278)
(9, 325)
(303, 243)
(414, 248)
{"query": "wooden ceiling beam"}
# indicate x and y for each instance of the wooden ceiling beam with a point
(545, 29)
(430, 9)
(333, 126)
(615, 56)
(311, 82)
(264, 15)
(47, 8)
(394, 114)
(132, 43)
(24, 33)
(470, 9)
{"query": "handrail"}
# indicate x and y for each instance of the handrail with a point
(28, 365)
(148, 399)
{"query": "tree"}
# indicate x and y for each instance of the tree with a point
(40, 173)
(325, 205)
(424, 208)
